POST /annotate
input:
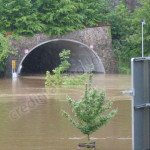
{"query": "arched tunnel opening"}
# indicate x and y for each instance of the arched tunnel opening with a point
(45, 56)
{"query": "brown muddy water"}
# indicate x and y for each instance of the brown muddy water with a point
(31, 119)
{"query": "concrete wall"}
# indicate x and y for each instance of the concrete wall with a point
(100, 37)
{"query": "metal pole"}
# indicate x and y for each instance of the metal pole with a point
(143, 22)
(142, 41)
(132, 84)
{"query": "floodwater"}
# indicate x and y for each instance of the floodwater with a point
(31, 118)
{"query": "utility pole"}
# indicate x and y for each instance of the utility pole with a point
(143, 22)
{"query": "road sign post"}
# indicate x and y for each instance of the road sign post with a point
(13, 64)
(14, 74)
(141, 103)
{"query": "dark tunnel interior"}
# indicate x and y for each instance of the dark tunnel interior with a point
(46, 57)
(43, 58)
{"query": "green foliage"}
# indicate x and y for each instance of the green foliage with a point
(49, 79)
(64, 56)
(120, 20)
(19, 17)
(60, 16)
(78, 80)
(58, 78)
(54, 17)
(91, 111)
(4, 51)
(136, 37)
(126, 32)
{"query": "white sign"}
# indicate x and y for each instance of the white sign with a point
(91, 46)
(26, 51)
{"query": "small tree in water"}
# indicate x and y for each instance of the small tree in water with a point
(58, 78)
(90, 111)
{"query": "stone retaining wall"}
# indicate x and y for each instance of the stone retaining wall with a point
(100, 37)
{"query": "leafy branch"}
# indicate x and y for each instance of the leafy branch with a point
(91, 112)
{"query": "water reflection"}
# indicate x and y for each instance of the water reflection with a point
(43, 127)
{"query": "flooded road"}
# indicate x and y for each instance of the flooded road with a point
(31, 119)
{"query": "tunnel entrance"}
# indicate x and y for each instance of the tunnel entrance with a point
(45, 56)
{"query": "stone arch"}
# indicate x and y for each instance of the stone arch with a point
(45, 56)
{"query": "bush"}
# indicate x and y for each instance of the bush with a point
(4, 51)
(77, 80)
(90, 112)
(58, 78)
(54, 17)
